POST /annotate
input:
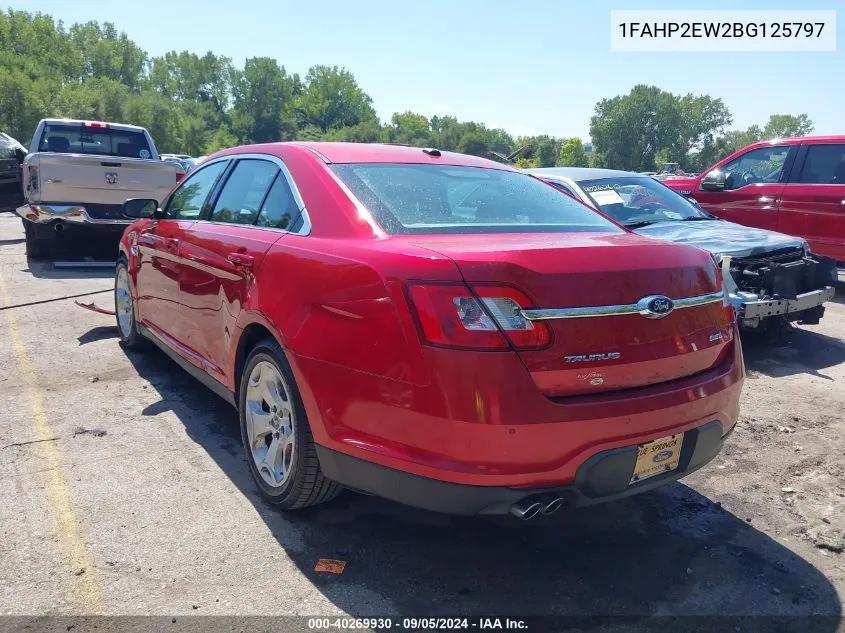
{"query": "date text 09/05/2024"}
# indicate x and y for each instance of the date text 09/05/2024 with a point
(416, 624)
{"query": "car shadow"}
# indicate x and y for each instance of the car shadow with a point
(672, 551)
(799, 352)
(99, 333)
(42, 269)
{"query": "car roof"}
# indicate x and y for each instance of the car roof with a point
(580, 173)
(331, 152)
(797, 140)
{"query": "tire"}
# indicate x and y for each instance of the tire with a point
(35, 248)
(127, 325)
(293, 479)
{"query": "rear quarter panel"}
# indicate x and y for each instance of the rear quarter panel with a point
(343, 303)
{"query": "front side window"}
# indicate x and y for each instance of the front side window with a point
(824, 165)
(637, 201)
(244, 191)
(98, 141)
(414, 199)
(763, 165)
(187, 201)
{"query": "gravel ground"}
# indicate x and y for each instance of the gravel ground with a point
(124, 491)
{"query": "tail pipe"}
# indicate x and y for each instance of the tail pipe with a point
(531, 507)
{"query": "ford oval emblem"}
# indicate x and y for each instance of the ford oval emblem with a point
(655, 306)
(662, 456)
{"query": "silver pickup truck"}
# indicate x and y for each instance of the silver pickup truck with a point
(76, 178)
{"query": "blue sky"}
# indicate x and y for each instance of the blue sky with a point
(531, 69)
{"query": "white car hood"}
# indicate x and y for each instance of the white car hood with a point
(721, 237)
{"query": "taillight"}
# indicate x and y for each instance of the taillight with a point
(452, 315)
(179, 176)
(33, 181)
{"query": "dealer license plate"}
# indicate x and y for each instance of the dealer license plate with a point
(658, 456)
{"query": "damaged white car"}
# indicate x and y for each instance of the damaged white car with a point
(772, 278)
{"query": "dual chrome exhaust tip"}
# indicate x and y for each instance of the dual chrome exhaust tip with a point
(532, 506)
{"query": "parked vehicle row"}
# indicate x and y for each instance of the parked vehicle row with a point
(795, 186)
(362, 306)
(437, 329)
(77, 176)
(769, 275)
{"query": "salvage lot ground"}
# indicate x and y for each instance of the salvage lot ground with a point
(124, 491)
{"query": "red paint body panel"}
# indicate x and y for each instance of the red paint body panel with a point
(815, 212)
(336, 302)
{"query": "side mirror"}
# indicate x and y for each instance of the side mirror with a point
(714, 181)
(137, 208)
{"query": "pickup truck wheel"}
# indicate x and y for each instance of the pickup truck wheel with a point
(35, 248)
(277, 438)
(124, 309)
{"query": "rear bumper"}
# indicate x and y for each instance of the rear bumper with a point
(492, 428)
(604, 477)
(70, 213)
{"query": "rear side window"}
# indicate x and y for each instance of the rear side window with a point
(187, 201)
(244, 192)
(78, 139)
(406, 198)
(824, 165)
(279, 210)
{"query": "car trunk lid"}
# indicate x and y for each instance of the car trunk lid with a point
(603, 273)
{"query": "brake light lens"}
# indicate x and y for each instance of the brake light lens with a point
(179, 176)
(34, 182)
(484, 318)
(95, 124)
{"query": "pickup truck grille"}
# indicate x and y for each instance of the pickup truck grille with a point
(784, 274)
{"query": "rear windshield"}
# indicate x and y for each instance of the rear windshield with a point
(454, 199)
(76, 139)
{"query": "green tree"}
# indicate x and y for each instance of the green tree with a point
(409, 128)
(331, 98)
(572, 154)
(629, 130)
(263, 94)
(787, 125)
(547, 152)
(473, 142)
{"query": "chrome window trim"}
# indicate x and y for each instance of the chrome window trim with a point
(304, 230)
(615, 310)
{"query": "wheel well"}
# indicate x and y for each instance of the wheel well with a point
(252, 334)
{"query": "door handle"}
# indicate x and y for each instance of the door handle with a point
(171, 242)
(240, 260)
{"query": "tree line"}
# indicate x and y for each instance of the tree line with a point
(196, 105)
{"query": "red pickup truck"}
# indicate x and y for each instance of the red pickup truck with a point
(794, 186)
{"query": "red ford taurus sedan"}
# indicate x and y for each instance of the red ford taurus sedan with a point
(433, 328)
